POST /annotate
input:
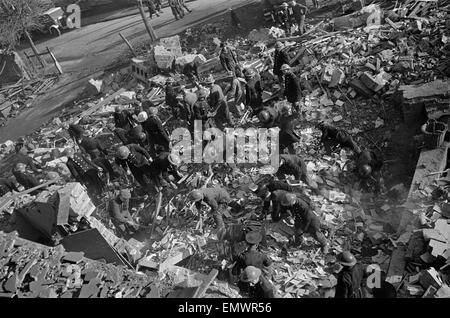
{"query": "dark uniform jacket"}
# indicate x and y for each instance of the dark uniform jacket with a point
(294, 165)
(228, 58)
(26, 179)
(79, 165)
(287, 130)
(75, 131)
(274, 116)
(349, 282)
(279, 185)
(253, 258)
(171, 96)
(281, 57)
(263, 289)
(213, 197)
(117, 212)
(6, 186)
(123, 120)
(305, 215)
(27, 160)
(215, 97)
(200, 110)
(253, 92)
(292, 91)
(92, 146)
(138, 157)
(275, 197)
(162, 165)
(156, 132)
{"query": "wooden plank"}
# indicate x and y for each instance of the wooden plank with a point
(396, 266)
(204, 287)
(107, 100)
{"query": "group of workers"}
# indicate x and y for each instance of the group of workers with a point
(177, 7)
(289, 14)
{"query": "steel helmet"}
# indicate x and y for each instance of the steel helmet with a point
(142, 136)
(202, 93)
(365, 171)
(209, 79)
(52, 175)
(20, 166)
(253, 237)
(118, 109)
(251, 274)
(279, 45)
(174, 159)
(196, 195)
(153, 111)
(284, 4)
(142, 117)
(264, 116)
(249, 72)
(123, 152)
(288, 199)
(346, 259)
(69, 152)
(253, 187)
(285, 67)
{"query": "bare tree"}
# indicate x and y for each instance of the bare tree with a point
(17, 19)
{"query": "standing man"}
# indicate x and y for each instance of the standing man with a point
(253, 91)
(299, 13)
(235, 21)
(235, 90)
(287, 136)
(189, 100)
(151, 8)
(85, 171)
(135, 160)
(280, 58)
(228, 58)
(218, 103)
(292, 89)
(175, 10)
(183, 5)
(284, 18)
(200, 111)
(171, 97)
(158, 5)
(306, 220)
(350, 278)
(216, 198)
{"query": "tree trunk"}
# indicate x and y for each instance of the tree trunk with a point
(34, 48)
(149, 28)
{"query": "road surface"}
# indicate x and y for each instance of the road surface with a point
(85, 52)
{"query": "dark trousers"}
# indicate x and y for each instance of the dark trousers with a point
(106, 166)
(139, 173)
(93, 182)
(313, 230)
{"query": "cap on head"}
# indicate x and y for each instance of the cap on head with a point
(251, 274)
(174, 159)
(346, 259)
(142, 117)
(196, 195)
(125, 194)
(253, 237)
(285, 67)
(69, 152)
(288, 199)
(123, 152)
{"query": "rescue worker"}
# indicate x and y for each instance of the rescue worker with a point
(350, 278)
(255, 284)
(216, 198)
(151, 8)
(84, 171)
(299, 13)
(337, 136)
(182, 4)
(253, 91)
(163, 165)
(235, 91)
(218, 103)
(274, 198)
(200, 111)
(252, 257)
(306, 220)
(368, 165)
(158, 5)
(294, 165)
(135, 160)
(123, 118)
(292, 89)
(228, 57)
(189, 100)
(135, 134)
(75, 131)
(269, 117)
(119, 212)
(92, 146)
(156, 133)
(22, 156)
(235, 21)
(25, 178)
(287, 135)
(176, 11)
(284, 17)
(171, 98)
(6, 186)
(280, 58)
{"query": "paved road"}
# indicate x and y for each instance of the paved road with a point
(93, 48)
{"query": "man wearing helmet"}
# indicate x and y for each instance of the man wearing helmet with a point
(350, 278)
(294, 165)
(171, 98)
(284, 18)
(165, 164)
(218, 103)
(292, 89)
(157, 135)
(337, 136)
(119, 212)
(287, 136)
(227, 57)
(306, 220)
(299, 13)
(216, 198)
(135, 160)
(280, 58)
(269, 116)
(368, 165)
(255, 284)
(123, 118)
(253, 90)
(236, 90)
(24, 177)
(200, 110)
